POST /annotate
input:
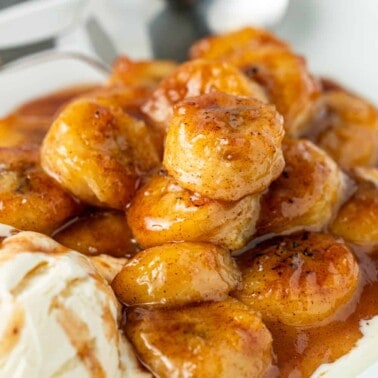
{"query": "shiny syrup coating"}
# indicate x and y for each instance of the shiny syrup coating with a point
(156, 275)
(347, 128)
(214, 339)
(195, 78)
(270, 62)
(301, 350)
(98, 232)
(298, 350)
(162, 211)
(224, 147)
(29, 123)
(97, 151)
(126, 72)
(298, 280)
(306, 195)
(357, 219)
(30, 200)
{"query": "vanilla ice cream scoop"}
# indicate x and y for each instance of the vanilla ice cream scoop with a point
(58, 315)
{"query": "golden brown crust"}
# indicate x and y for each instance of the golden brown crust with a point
(97, 151)
(195, 78)
(298, 280)
(222, 339)
(307, 194)
(224, 147)
(224, 155)
(228, 44)
(357, 220)
(127, 72)
(30, 200)
(175, 274)
(162, 211)
(99, 232)
(347, 129)
(271, 63)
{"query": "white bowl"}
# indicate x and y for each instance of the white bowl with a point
(38, 20)
(43, 73)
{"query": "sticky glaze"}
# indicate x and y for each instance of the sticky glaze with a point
(300, 351)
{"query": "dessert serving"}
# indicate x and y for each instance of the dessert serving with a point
(215, 218)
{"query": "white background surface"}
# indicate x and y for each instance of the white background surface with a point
(339, 38)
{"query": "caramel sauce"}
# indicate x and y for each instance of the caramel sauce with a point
(48, 105)
(29, 123)
(298, 351)
(12, 333)
(301, 351)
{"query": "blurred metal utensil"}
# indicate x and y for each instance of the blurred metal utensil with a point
(50, 56)
(13, 53)
(38, 20)
(182, 22)
(175, 28)
(28, 27)
(101, 42)
(9, 3)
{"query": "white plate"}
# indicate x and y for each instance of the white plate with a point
(43, 73)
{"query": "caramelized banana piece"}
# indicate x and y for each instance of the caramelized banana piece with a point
(99, 232)
(162, 211)
(129, 98)
(357, 220)
(175, 274)
(306, 195)
(347, 129)
(222, 339)
(143, 72)
(193, 79)
(97, 152)
(272, 64)
(17, 130)
(298, 280)
(29, 123)
(367, 174)
(29, 199)
(224, 147)
(228, 44)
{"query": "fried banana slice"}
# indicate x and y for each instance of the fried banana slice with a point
(222, 339)
(97, 152)
(224, 147)
(99, 232)
(307, 194)
(29, 199)
(162, 211)
(298, 280)
(175, 274)
(195, 78)
(29, 123)
(270, 62)
(347, 129)
(357, 220)
(127, 72)
(17, 130)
